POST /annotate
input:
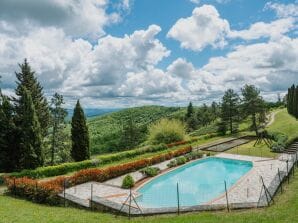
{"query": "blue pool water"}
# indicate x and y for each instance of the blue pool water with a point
(198, 182)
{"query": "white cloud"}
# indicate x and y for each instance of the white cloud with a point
(204, 27)
(257, 30)
(195, 1)
(76, 17)
(283, 10)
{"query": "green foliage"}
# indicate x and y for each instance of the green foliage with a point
(9, 155)
(79, 135)
(106, 132)
(130, 134)
(254, 106)
(29, 132)
(166, 131)
(229, 112)
(181, 160)
(128, 182)
(190, 111)
(280, 141)
(26, 79)
(150, 171)
(65, 168)
(292, 101)
(59, 139)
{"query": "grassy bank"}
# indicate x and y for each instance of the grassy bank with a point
(284, 210)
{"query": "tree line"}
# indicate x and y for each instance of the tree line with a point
(292, 101)
(33, 131)
(230, 111)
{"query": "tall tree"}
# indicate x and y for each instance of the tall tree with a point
(190, 111)
(26, 79)
(79, 135)
(230, 110)
(59, 137)
(9, 156)
(130, 133)
(253, 105)
(29, 132)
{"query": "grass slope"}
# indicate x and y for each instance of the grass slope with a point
(284, 123)
(105, 131)
(284, 210)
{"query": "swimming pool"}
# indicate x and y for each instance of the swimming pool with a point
(198, 182)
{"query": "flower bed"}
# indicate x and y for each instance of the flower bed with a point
(47, 191)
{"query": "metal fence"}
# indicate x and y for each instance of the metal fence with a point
(183, 197)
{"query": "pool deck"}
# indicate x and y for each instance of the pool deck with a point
(247, 192)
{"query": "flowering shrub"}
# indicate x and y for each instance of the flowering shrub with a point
(47, 191)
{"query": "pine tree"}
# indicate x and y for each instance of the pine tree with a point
(29, 132)
(26, 79)
(253, 105)
(59, 138)
(79, 135)
(230, 110)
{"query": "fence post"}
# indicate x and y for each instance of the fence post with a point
(91, 198)
(267, 192)
(178, 199)
(227, 198)
(129, 203)
(64, 187)
(14, 187)
(288, 171)
(280, 182)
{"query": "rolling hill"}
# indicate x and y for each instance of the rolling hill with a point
(106, 130)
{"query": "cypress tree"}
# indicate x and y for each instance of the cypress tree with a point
(8, 150)
(190, 111)
(29, 132)
(26, 79)
(79, 135)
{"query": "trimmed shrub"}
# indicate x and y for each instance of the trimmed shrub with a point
(181, 160)
(128, 182)
(65, 168)
(150, 171)
(166, 131)
(47, 191)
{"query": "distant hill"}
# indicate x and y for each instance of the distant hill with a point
(106, 130)
(91, 112)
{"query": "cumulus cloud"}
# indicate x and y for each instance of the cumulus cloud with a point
(274, 30)
(204, 27)
(76, 17)
(283, 10)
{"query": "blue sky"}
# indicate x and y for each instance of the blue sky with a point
(123, 53)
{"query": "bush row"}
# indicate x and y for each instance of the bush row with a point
(47, 191)
(65, 168)
(280, 141)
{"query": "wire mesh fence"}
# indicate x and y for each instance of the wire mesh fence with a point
(183, 196)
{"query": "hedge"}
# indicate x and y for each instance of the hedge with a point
(47, 191)
(65, 168)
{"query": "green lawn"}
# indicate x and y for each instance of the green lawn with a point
(285, 123)
(260, 150)
(283, 211)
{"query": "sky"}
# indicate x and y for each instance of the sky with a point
(125, 53)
